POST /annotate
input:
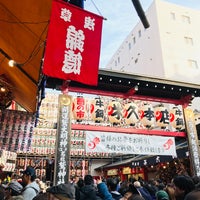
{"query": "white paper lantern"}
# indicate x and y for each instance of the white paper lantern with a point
(176, 118)
(147, 115)
(131, 113)
(162, 116)
(97, 109)
(114, 112)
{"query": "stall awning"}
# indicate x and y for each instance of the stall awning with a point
(23, 32)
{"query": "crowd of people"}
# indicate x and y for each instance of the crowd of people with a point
(181, 187)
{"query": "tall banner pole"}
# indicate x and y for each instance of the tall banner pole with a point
(192, 141)
(63, 140)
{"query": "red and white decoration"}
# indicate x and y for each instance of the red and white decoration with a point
(73, 44)
(131, 113)
(79, 108)
(162, 116)
(176, 118)
(114, 111)
(147, 116)
(129, 143)
(97, 109)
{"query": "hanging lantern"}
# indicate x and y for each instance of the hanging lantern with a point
(176, 118)
(97, 110)
(162, 116)
(114, 112)
(79, 108)
(147, 115)
(131, 113)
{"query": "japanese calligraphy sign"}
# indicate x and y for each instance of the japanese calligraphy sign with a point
(193, 141)
(79, 108)
(129, 143)
(97, 109)
(131, 113)
(73, 44)
(162, 116)
(61, 171)
(114, 111)
(147, 115)
(176, 118)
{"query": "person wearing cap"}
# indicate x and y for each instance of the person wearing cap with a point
(31, 188)
(162, 195)
(61, 192)
(13, 191)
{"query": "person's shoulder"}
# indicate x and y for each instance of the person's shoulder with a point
(19, 197)
(32, 187)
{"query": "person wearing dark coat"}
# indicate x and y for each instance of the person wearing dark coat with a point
(143, 191)
(88, 191)
(112, 184)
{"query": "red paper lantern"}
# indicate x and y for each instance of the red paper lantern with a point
(79, 108)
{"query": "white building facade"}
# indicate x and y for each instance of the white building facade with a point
(169, 48)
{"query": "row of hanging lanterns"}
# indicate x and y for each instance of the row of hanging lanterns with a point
(130, 112)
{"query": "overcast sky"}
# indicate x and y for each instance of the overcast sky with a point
(121, 18)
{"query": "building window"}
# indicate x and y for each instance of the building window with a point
(192, 64)
(186, 19)
(172, 15)
(115, 63)
(188, 40)
(134, 40)
(139, 33)
(129, 46)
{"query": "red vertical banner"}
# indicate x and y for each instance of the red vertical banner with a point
(73, 44)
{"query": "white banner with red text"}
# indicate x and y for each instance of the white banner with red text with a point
(121, 143)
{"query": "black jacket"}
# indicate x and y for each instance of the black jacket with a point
(87, 192)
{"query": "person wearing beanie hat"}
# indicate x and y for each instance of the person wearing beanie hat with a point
(62, 191)
(13, 191)
(162, 195)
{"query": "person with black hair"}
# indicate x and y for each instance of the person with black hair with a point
(78, 186)
(88, 190)
(183, 184)
(112, 184)
(31, 188)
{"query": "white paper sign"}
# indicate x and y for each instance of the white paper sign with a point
(109, 142)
